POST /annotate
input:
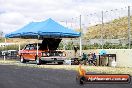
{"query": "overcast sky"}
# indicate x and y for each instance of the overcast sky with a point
(14, 14)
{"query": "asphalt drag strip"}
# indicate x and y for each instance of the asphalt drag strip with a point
(26, 77)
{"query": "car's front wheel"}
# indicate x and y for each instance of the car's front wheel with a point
(22, 60)
(38, 61)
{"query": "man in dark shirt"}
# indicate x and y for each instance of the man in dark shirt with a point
(84, 58)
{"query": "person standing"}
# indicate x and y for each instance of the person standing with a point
(94, 56)
(94, 59)
(84, 58)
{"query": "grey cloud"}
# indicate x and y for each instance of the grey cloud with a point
(20, 12)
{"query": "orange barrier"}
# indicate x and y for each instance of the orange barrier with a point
(82, 77)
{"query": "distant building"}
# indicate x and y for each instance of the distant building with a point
(6, 44)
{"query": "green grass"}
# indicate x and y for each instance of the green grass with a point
(109, 70)
(97, 69)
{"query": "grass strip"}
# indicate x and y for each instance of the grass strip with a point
(97, 69)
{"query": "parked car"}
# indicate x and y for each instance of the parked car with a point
(47, 52)
(4, 53)
(13, 54)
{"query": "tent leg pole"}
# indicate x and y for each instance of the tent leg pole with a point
(80, 38)
(19, 48)
(80, 46)
(64, 45)
(37, 45)
(37, 48)
(5, 49)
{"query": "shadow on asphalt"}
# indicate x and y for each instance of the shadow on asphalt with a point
(33, 62)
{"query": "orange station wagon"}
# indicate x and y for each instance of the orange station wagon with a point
(47, 52)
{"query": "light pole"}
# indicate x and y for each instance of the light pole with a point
(102, 29)
(65, 23)
(129, 35)
(64, 41)
(80, 38)
(72, 23)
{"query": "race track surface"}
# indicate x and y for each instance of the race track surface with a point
(26, 77)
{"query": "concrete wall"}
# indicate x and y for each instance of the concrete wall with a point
(124, 56)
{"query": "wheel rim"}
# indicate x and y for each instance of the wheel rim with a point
(37, 61)
(21, 59)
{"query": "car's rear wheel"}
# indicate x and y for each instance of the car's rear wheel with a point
(38, 61)
(44, 62)
(22, 60)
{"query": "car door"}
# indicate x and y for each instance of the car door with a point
(26, 52)
(32, 52)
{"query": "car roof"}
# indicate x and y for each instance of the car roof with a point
(35, 44)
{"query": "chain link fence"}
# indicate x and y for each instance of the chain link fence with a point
(108, 28)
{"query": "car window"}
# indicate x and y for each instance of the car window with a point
(32, 47)
(35, 46)
(27, 47)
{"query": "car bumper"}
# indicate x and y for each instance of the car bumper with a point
(53, 59)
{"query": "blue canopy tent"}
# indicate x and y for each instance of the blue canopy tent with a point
(44, 29)
(19, 32)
